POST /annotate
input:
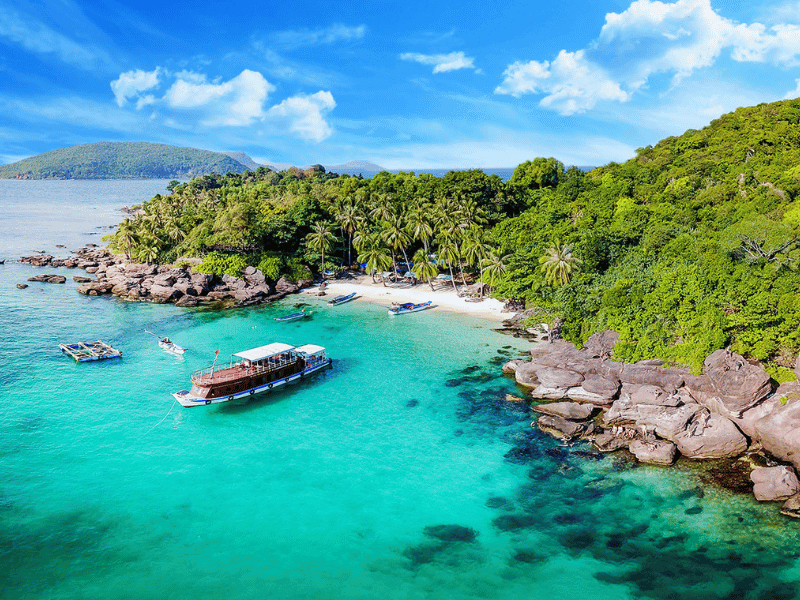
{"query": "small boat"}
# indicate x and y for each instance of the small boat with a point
(251, 372)
(167, 344)
(294, 316)
(409, 307)
(341, 299)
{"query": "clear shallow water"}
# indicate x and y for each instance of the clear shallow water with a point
(110, 490)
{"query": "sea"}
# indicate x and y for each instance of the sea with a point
(407, 471)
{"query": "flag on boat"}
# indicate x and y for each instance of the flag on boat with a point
(217, 352)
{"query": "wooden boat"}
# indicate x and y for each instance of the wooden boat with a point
(167, 344)
(341, 299)
(251, 372)
(87, 351)
(409, 307)
(294, 316)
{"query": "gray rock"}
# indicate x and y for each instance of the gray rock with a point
(737, 383)
(22, 286)
(779, 431)
(667, 421)
(572, 411)
(48, 278)
(547, 393)
(234, 283)
(525, 375)
(582, 395)
(658, 452)
(667, 379)
(607, 442)
(511, 366)
(560, 428)
(648, 394)
(601, 386)
(602, 344)
(286, 287)
(791, 508)
(79, 279)
(187, 301)
(95, 288)
(774, 483)
(161, 294)
(553, 377)
(711, 436)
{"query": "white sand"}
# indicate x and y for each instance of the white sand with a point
(444, 298)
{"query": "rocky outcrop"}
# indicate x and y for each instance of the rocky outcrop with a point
(779, 431)
(48, 278)
(566, 410)
(561, 428)
(159, 284)
(774, 483)
(657, 452)
(711, 436)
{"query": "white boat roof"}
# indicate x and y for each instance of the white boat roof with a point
(309, 349)
(263, 352)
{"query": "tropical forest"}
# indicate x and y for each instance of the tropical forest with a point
(690, 246)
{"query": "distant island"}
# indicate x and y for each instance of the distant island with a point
(143, 160)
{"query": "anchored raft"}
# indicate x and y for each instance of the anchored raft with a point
(86, 351)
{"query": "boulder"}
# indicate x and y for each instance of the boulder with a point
(572, 411)
(658, 452)
(547, 393)
(791, 508)
(161, 294)
(582, 395)
(22, 286)
(525, 375)
(255, 277)
(774, 483)
(667, 421)
(164, 280)
(608, 442)
(648, 394)
(185, 287)
(711, 436)
(79, 279)
(187, 301)
(779, 431)
(601, 386)
(48, 278)
(511, 366)
(560, 428)
(234, 283)
(601, 345)
(667, 379)
(286, 287)
(553, 377)
(95, 288)
(738, 384)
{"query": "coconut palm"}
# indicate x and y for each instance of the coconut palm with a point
(448, 251)
(494, 267)
(394, 234)
(321, 239)
(419, 226)
(424, 267)
(349, 218)
(376, 257)
(475, 252)
(559, 263)
(126, 237)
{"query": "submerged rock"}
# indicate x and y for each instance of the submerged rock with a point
(451, 533)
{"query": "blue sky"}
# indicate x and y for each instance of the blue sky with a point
(406, 85)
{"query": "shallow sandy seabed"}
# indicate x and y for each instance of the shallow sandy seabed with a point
(443, 298)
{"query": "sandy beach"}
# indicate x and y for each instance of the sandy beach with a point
(444, 298)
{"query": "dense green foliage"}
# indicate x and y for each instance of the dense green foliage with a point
(691, 246)
(121, 160)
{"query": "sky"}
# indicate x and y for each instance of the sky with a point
(437, 84)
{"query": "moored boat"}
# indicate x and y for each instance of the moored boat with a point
(253, 371)
(294, 316)
(409, 307)
(341, 299)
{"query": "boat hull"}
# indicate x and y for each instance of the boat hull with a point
(393, 312)
(187, 400)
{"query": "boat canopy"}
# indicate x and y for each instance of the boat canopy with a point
(263, 352)
(309, 349)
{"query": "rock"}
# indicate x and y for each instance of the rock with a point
(547, 393)
(249, 270)
(286, 287)
(513, 398)
(566, 410)
(553, 377)
(779, 431)
(667, 421)
(601, 386)
(451, 533)
(560, 428)
(791, 508)
(161, 294)
(95, 288)
(22, 286)
(602, 344)
(774, 483)
(48, 278)
(648, 394)
(222, 295)
(234, 283)
(187, 301)
(79, 279)
(658, 452)
(737, 383)
(525, 375)
(185, 287)
(37, 261)
(608, 442)
(667, 379)
(511, 366)
(255, 278)
(92, 269)
(580, 394)
(711, 436)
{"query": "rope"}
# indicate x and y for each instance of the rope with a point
(162, 420)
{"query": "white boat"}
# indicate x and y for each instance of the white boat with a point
(171, 347)
(251, 372)
(409, 307)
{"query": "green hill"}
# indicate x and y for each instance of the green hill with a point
(121, 160)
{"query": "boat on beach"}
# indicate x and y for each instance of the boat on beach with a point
(341, 299)
(409, 307)
(293, 317)
(251, 372)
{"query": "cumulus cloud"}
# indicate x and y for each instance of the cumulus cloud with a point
(314, 37)
(795, 93)
(648, 38)
(305, 115)
(441, 62)
(132, 83)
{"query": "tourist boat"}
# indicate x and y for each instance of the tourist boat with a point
(409, 307)
(341, 299)
(251, 372)
(294, 316)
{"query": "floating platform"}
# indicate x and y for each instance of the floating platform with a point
(86, 351)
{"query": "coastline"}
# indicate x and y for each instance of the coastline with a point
(443, 298)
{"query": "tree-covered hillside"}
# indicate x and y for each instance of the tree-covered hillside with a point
(691, 246)
(121, 160)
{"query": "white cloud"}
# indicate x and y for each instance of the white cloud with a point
(132, 83)
(35, 36)
(305, 115)
(441, 62)
(572, 84)
(315, 37)
(648, 38)
(795, 93)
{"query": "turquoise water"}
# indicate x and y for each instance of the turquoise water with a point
(109, 489)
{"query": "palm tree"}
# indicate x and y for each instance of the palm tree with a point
(321, 239)
(494, 267)
(424, 267)
(349, 218)
(448, 251)
(394, 234)
(126, 237)
(559, 263)
(376, 257)
(475, 252)
(419, 226)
